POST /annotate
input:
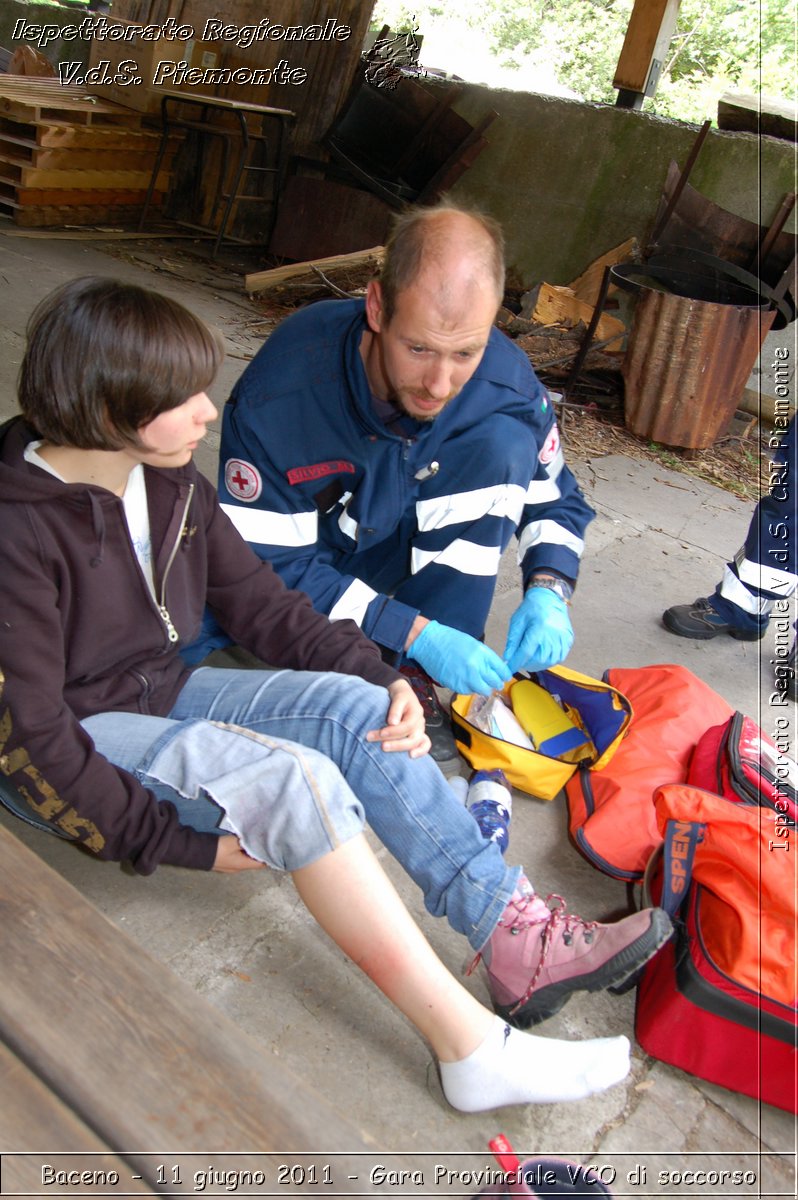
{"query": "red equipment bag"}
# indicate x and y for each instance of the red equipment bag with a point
(737, 760)
(719, 1000)
(611, 816)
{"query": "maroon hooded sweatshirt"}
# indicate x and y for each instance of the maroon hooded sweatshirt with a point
(80, 634)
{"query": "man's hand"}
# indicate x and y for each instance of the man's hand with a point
(404, 727)
(540, 633)
(458, 661)
(230, 856)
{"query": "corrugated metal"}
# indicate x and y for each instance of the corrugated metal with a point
(686, 366)
(699, 223)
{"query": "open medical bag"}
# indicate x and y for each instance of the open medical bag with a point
(598, 713)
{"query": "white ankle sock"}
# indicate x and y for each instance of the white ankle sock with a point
(512, 1067)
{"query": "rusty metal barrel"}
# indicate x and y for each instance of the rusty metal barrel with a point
(698, 326)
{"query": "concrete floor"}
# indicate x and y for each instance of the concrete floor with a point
(248, 946)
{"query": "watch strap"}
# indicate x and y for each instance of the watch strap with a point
(560, 587)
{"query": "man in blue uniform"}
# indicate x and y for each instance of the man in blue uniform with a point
(381, 454)
(763, 573)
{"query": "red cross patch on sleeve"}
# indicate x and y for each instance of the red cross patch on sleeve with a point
(242, 480)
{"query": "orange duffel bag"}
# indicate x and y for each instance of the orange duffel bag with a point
(611, 815)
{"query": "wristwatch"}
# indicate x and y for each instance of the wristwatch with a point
(560, 587)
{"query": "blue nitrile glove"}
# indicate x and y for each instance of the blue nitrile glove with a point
(540, 633)
(458, 661)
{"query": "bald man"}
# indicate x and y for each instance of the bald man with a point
(381, 454)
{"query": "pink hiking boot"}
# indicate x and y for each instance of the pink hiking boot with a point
(538, 955)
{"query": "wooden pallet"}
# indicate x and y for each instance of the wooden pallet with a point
(68, 158)
(54, 134)
(63, 216)
(79, 181)
(29, 98)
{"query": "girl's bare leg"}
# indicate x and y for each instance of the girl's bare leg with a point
(484, 1063)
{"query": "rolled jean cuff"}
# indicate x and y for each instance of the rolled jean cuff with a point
(288, 805)
(483, 931)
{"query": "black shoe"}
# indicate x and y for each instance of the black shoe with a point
(700, 621)
(439, 728)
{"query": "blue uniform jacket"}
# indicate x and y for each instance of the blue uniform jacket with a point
(358, 517)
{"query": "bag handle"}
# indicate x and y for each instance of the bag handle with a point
(677, 854)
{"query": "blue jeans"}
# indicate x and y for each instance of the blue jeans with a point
(295, 777)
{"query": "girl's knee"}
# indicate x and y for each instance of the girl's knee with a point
(304, 811)
(355, 703)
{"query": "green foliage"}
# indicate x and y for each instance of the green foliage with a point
(719, 45)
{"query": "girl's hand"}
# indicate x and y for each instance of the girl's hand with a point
(404, 728)
(230, 856)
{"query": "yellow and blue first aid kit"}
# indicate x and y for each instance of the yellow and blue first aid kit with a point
(565, 719)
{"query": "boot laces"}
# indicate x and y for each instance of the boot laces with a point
(558, 923)
(424, 691)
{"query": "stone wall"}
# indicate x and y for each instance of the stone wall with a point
(570, 180)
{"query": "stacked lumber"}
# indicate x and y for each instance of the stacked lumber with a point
(67, 158)
(553, 322)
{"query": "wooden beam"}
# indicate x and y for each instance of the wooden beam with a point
(758, 114)
(39, 1120)
(140, 1058)
(588, 285)
(648, 36)
(103, 137)
(73, 214)
(260, 281)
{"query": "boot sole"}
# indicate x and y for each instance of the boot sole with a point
(627, 962)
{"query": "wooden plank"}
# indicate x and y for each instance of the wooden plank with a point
(34, 217)
(550, 305)
(40, 197)
(101, 137)
(259, 281)
(33, 92)
(136, 1053)
(39, 87)
(39, 1121)
(85, 111)
(69, 158)
(587, 285)
(758, 114)
(32, 177)
(100, 235)
(63, 135)
(648, 34)
(97, 160)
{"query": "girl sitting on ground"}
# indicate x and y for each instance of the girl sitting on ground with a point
(114, 543)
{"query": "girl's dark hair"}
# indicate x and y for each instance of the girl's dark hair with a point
(104, 358)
